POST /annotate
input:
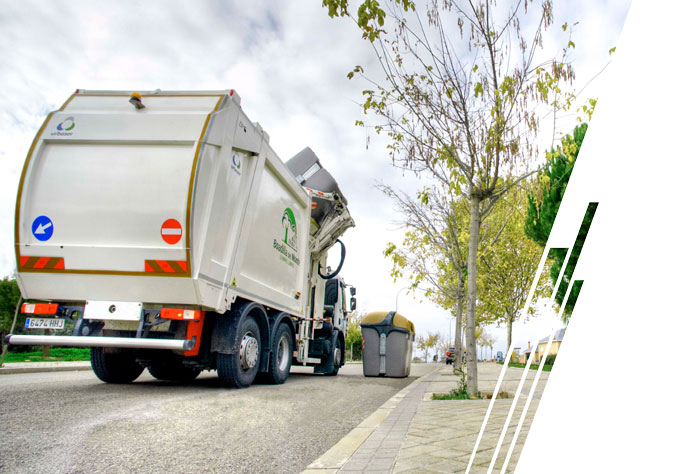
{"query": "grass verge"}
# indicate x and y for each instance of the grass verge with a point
(546, 367)
(57, 354)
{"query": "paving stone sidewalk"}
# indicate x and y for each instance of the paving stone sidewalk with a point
(420, 435)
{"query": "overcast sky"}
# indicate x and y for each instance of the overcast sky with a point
(288, 61)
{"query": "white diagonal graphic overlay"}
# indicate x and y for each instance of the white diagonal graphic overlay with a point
(525, 310)
(524, 374)
(535, 382)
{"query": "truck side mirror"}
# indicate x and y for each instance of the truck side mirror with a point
(353, 304)
(353, 291)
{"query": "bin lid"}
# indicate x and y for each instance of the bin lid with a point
(382, 318)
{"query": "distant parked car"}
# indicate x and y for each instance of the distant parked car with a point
(450, 355)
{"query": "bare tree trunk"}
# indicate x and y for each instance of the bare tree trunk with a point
(509, 333)
(458, 325)
(471, 322)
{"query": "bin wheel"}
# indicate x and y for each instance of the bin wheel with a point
(114, 367)
(239, 369)
(174, 371)
(281, 356)
(337, 355)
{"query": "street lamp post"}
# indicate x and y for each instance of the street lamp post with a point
(398, 294)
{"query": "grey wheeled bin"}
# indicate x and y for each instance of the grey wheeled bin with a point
(387, 344)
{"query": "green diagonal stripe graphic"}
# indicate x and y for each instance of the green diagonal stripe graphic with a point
(574, 258)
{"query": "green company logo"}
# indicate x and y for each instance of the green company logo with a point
(288, 247)
(64, 128)
(66, 125)
(236, 164)
(289, 223)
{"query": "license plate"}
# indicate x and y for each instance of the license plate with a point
(116, 310)
(41, 323)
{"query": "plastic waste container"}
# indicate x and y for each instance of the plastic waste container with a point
(387, 344)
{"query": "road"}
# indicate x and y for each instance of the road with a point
(70, 422)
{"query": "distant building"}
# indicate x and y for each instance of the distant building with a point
(542, 344)
(516, 354)
(554, 346)
(524, 356)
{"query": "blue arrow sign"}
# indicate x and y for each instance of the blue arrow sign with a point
(42, 228)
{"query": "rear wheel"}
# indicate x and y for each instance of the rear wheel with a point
(174, 371)
(281, 356)
(336, 357)
(239, 369)
(117, 366)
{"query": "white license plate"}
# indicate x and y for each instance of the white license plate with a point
(41, 323)
(115, 310)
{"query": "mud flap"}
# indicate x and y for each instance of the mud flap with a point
(327, 366)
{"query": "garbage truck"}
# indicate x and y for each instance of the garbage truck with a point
(162, 231)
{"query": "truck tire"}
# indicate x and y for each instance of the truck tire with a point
(280, 356)
(336, 354)
(114, 367)
(239, 368)
(173, 371)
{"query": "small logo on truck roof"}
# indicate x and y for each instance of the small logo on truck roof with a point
(66, 124)
(64, 128)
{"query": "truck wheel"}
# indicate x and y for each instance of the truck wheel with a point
(239, 369)
(114, 367)
(337, 355)
(173, 371)
(281, 356)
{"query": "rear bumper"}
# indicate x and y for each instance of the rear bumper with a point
(89, 341)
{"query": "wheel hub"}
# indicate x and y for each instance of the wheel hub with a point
(337, 357)
(283, 353)
(248, 352)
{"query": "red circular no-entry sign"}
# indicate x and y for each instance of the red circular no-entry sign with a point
(171, 231)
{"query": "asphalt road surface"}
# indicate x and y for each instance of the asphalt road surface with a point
(70, 422)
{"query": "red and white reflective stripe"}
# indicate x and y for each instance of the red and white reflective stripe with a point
(180, 313)
(165, 266)
(321, 319)
(321, 195)
(39, 308)
(42, 263)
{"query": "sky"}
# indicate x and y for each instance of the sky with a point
(288, 61)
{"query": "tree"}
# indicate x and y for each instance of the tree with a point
(544, 203)
(491, 341)
(9, 299)
(354, 339)
(9, 296)
(463, 112)
(508, 267)
(426, 343)
(433, 251)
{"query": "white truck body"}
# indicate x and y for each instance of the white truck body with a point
(110, 183)
(179, 203)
